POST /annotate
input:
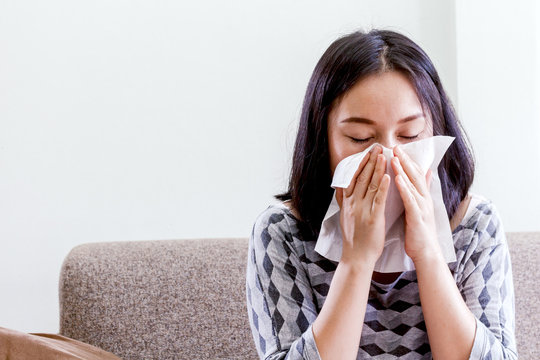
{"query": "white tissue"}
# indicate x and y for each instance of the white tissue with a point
(427, 153)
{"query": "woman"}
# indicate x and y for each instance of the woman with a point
(378, 87)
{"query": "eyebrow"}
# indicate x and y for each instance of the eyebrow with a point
(371, 122)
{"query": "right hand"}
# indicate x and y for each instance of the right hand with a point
(362, 207)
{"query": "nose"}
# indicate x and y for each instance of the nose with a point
(388, 142)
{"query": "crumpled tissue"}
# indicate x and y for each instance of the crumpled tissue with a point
(427, 153)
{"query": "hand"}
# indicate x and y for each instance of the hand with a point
(362, 210)
(413, 187)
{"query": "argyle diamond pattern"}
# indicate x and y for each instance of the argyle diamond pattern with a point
(287, 283)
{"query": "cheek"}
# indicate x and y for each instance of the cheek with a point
(341, 147)
(336, 149)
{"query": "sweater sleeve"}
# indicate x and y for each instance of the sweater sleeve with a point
(487, 288)
(279, 296)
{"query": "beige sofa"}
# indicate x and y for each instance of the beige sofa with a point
(185, 299)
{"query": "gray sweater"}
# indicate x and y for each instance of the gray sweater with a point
(287, 283)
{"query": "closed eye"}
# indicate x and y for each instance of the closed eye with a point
(355, 140)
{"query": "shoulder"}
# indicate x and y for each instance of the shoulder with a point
(274, 215)
(275, 222)
(292, 210)
(482, 218)
(479, 234)
(275, 236)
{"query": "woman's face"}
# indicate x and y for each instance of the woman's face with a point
(381, 108)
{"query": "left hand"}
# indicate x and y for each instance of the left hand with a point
(420, 230)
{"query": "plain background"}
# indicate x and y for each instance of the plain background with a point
(140, 120)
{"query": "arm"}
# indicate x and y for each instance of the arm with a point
(486, 279)
(478, 317)
(282, 314)
(338, 327)
(449, 323)
(279, 296)
(486, 284)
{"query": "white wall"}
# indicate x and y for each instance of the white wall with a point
(138, 120)
(498, 59)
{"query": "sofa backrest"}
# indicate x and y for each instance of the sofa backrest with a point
(525, 255)
(178, 299)
(185, 299)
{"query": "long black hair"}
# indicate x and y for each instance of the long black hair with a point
(347, 60)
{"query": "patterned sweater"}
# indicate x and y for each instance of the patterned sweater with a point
(287, 283)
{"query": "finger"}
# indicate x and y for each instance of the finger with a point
(375, 183)
(412, 170)
(409, 200)
(350, 189)
(379, 201)
(398, 170)
(339, 196)
(364, 178)
(429, 178)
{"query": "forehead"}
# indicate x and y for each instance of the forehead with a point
(388, 96)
